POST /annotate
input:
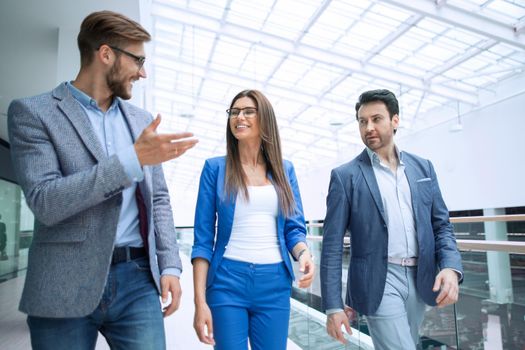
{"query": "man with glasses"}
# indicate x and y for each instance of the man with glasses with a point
(89, 163)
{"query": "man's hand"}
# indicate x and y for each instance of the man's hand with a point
(203, 324)
(307, 267)
(447, 281)
(170, 285)
(153, 148)
(334, 322)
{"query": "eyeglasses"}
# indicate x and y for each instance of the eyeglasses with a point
(138, 59)
(248, 112)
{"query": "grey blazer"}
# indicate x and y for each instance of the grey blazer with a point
(75, 193)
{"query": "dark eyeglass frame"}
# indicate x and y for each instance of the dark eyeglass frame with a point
(139, 59)
(231, 116)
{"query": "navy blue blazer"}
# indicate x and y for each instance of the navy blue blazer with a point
(214, 206)
(354, 204)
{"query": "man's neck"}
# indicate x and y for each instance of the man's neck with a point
(95, 87)
(388, 155)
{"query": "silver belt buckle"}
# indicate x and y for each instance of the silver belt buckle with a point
(405, 261)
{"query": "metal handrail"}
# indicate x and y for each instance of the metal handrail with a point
(467, 244)
(487, 245)
(470, 219)
(466, 219)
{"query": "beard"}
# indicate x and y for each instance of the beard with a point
(117, 83)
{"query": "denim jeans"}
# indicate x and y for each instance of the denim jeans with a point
(129, 316)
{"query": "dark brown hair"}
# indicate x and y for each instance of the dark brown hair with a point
(235, 179)
(110, 28)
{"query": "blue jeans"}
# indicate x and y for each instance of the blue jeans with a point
(250, 301)
(129, 316)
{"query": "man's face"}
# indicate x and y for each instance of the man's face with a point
(375, 125)
(125, 71)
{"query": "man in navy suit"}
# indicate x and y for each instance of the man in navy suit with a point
(403, 249)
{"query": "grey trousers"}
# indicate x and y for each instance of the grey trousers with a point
(395, 324)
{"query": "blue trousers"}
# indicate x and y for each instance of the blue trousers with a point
(129, 316)
(395, 324)
(250, 301)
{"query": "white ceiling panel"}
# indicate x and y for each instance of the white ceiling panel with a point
(312, 59)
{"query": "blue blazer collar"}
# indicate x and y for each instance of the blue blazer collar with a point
(368, 172)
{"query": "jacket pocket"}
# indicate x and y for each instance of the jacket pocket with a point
(68, 231)
(358, 279)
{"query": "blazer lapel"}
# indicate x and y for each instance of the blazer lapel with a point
(136, 126)
(74, 112)
(412, 177)
(134, 123)
(368, 172)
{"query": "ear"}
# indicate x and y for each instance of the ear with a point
(105, 54)
(395, 121)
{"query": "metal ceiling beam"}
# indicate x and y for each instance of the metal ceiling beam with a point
(390, 38)
(292, 95)
(474, 22)
(348, 64)
(305, 30)
(471, 52)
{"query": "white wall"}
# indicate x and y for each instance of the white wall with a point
(38, 40)
(481, 166)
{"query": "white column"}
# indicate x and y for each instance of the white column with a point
(498, 263)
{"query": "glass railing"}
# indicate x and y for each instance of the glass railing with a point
(16, 231)
(490, 313)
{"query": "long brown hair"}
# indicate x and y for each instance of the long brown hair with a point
(235, 178)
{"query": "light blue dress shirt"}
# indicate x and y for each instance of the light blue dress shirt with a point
(397, 204)
(114, 135)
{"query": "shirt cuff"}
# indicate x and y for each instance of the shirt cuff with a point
(173, 271)
(129, 160)
(460, 274)
(333, 311)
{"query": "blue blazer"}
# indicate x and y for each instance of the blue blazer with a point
(214, 206)
(354, 204)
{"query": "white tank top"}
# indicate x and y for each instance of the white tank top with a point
(254, 230)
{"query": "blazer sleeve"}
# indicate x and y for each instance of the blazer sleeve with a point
(447, 253)
(165, 235)
(52, 196)
(334, 227)
(294, 226)
(205, 214)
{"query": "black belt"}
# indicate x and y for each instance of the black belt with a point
(123, 254)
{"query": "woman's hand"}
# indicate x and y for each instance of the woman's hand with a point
(307, 267)
(203, 324)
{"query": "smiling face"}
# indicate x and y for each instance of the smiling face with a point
(245, 124)
(125, 71)
(376, 126)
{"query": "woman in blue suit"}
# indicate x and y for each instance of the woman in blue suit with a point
(242, 271)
